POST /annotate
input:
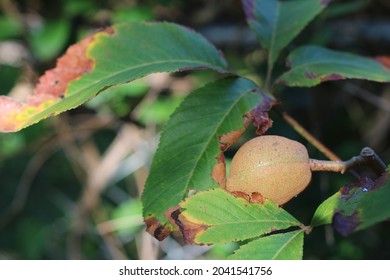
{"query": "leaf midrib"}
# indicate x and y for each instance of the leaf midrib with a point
(118, 73)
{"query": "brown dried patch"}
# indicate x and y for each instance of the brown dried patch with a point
(257, 198)
(254, 198)
(69, 67)
(51, 87)
(226, 140)
(365, 184)
(189, 229)
(240, 195)
(332, 77)
(259, 116)
(155, 228)
(346, 225)
(219, 171)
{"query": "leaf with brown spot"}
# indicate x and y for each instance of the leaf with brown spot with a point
(219, 171)
(312, 65)
(215, 216)
(119, 54)
(156, 229)
(259, 116)
(190, 154)
(362, 204)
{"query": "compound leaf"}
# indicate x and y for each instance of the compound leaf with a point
(277, 23)
(311, 65)
(282, 246)
(116, 55)
(190, 154)
(216, 216)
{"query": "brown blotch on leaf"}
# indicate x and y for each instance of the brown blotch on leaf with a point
(366, 184)
(254, 198)
(348, 190)
(259, 116)
(310, 75)
(345, 225)
(230, 138)
(257, 198)
(69, 67)
(219, 171)
(155, 228)
(188, 229)
(332, 77)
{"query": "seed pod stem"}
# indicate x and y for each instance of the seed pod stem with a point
(367, 157)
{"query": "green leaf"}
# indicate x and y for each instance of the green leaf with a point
(311, 65)
(277, 23)
(216, 216)
(283, 246)
(324, 213)
(116, 55)
(190, 155)
(362, 204)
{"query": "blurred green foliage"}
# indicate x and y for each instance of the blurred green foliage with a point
(41, 184)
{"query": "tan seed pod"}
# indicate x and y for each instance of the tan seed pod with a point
(276, 167)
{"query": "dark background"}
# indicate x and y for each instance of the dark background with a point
(46, 171)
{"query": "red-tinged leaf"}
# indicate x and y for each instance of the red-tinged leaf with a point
(312, 65)
(118, 54)
(190, 153)
(50, 89)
